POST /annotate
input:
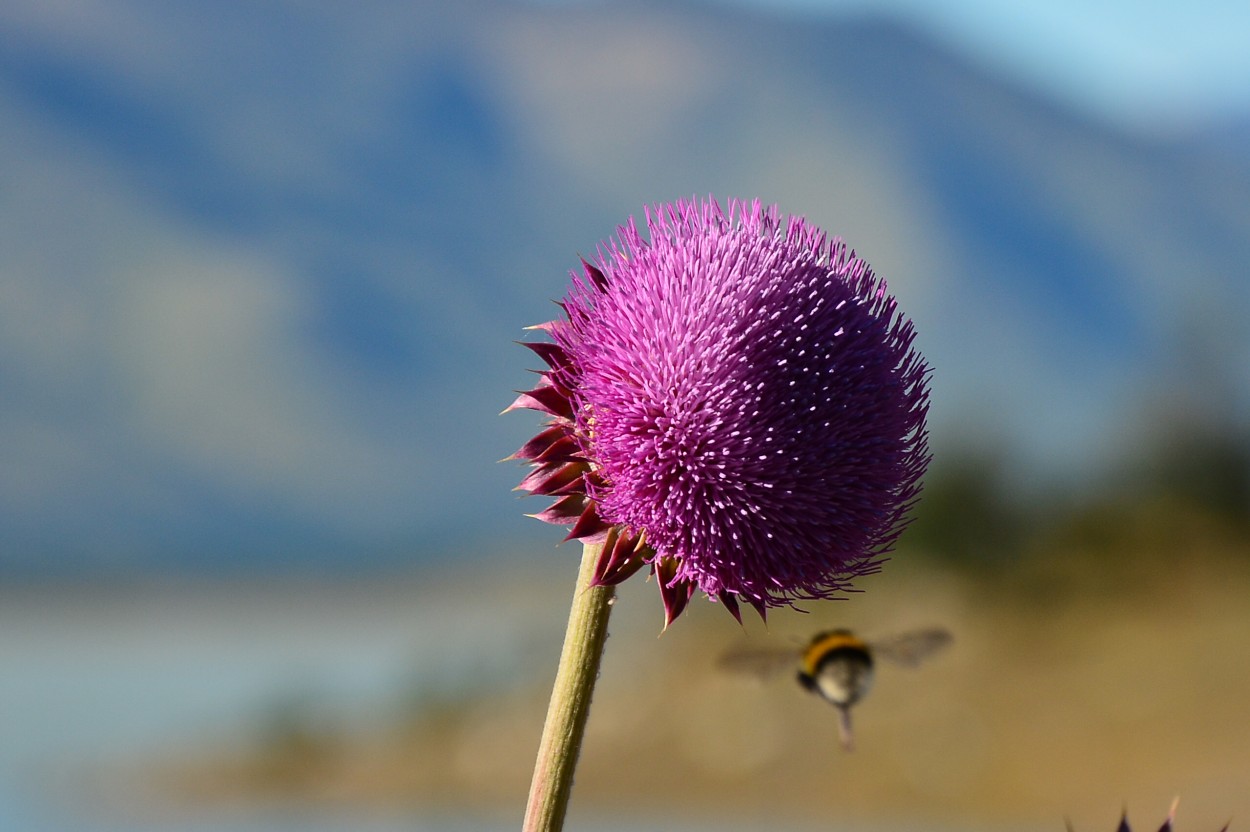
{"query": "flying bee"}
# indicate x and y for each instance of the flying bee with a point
(837, 665)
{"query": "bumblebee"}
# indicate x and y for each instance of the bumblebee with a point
(837, 665)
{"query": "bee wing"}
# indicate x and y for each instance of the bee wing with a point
(763, 662)
(910, 649)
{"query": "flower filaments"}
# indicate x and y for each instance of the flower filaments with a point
(734, 401)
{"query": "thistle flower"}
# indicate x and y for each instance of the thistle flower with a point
(734, 402)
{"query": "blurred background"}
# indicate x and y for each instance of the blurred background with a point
(261, 267)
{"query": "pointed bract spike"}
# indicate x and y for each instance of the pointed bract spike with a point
(731, 604)
(603, 563)
(553, 355)
(576, 485)
(674, 593)
(543, 440)
(546, 399)
(551, 480)
(675, 601)
(619, 571)
(523, 401)
(596, 277)
(564, 511)
(1167, 824)
(618, 560)
(588, 523)
(536, 475)
(564, 449)
(597, 537)
(664, 570)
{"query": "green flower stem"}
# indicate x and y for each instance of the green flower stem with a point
(570, 699)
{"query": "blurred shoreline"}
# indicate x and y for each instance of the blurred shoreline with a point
(1074, 705)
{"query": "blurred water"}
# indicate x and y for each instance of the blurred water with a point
(95, 682)
(92, 681)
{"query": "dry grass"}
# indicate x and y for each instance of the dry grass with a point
(1066, 694)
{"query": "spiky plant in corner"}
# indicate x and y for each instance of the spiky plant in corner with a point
(1166, 827)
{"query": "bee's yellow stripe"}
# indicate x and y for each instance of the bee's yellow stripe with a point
(825, 643)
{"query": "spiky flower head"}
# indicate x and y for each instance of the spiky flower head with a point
(734, 401)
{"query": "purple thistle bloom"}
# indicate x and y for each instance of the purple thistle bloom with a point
(735, 402)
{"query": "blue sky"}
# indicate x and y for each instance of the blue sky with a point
(1157, 65)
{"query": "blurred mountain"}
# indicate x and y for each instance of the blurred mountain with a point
(1229, 137)
(261, 267)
